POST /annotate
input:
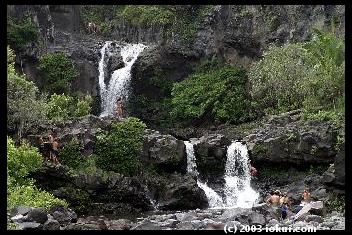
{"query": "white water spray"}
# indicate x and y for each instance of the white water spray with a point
(213, 198)
(119, 83)
(238, 190)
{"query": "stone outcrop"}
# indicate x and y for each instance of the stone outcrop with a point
(164, 152)
(182, 192)
(288, 139)
(210, 153)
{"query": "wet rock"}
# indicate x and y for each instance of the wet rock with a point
(121, 224)
(186, 216)
(165, 152)
(215, 226)
(37, 215)
(30, 226)
(197, 224)
(186, 225)
(272, 222)
(20, 210)
(182, 193)
(210, 153)
(171, 223)
(146, 224)
(51, 224)
(256, 219)
(18, 218)
(328, 224)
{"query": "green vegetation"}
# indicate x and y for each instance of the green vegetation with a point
(218, 93)
(22, 160)
(309, 76)
(70, 154)
(260, 149)
(19, 33)
(59, 71)
(337, 203)
(20, 189)
(25, 108)
(147, 15)
(118, 150)
(63, 107)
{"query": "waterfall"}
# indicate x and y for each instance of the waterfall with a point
(213, 198)
(119, 83)
(238, 191)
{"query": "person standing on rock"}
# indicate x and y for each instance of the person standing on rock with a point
(56, 151)
(119, 108)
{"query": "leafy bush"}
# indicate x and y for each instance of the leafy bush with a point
(300, 75)
(71, 155)
(147, 15)
(83, 106)
(119, 149)
(276, 79)
(58, 107)
(21, 32)
(22, 160)
(220, 94)
(25, 108)
(10, 61)
(59, 70)
(63, 107)
(30, 195)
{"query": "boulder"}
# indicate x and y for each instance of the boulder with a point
(20, 210)
(51, 224)
(146, 224)
(30, 226)
(256, 219)
(314, 218)
(164, 151)
(210, 153)
(18, 218)
(37, 215)
(121, 224)
(62, 215)
(185, 225)
(182, 193)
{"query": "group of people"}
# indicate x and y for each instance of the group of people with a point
(49, 148)
(281, 204)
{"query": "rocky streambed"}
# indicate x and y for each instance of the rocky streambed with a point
(209, 219)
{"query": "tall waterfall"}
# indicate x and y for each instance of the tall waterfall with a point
(119, 83)
(237, 190)
(213, 198)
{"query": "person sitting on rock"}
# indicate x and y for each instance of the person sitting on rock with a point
(274, 201)
(284, 205)
(306, 200)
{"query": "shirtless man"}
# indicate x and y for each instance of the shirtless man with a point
(119, 108)
(306, 196)
(55, 152)
(274, 200)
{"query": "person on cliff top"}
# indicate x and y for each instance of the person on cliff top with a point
(274, 201)
(119, 108)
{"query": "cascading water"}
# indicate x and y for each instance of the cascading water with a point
(238, 190)
(120, 79)
(213, 198)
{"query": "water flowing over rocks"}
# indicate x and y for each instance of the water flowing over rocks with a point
(210, 152)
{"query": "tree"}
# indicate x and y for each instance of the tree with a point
(25, 108)
(59, 71)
